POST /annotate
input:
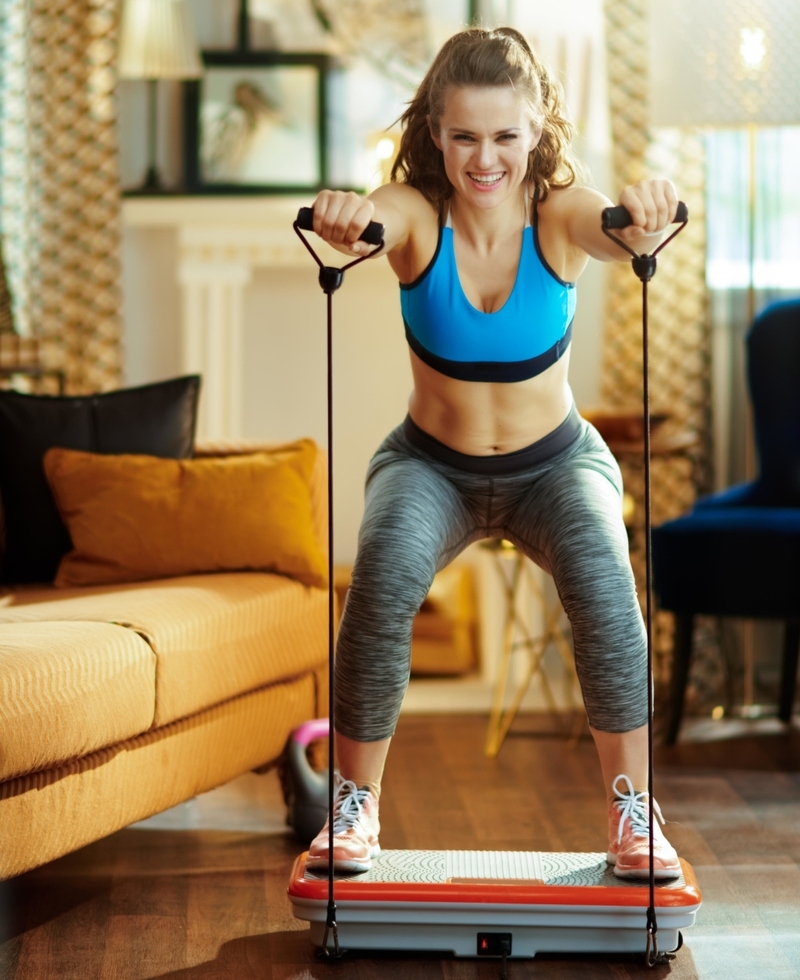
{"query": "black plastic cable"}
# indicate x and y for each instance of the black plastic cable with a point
(652, 924)
(330, 919)
(506, 950)
(645, 268)
(330, 279)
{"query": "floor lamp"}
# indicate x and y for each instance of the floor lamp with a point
(734, 64)
(156, 41)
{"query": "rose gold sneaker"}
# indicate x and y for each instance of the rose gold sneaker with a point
(629, 836)
(355, 831)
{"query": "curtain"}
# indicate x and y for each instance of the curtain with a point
(6, 314)
(773, 274)
(60, 187)
(741, 284)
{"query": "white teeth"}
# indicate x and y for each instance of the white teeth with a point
(493, 179)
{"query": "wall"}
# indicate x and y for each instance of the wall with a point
(284, 384)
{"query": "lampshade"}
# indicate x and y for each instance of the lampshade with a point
(724, 62)
(157, 41)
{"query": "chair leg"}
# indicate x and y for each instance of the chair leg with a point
(791, 652)
(681, 657)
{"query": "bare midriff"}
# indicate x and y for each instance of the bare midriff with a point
(485, 418)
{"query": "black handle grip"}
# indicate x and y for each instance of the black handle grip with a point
(619, 217)
(372, 234)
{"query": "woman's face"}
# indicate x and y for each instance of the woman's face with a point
(485, 135)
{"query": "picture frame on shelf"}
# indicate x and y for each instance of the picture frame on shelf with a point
(256, 122)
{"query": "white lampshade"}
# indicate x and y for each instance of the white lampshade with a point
(157, 41)
(724, 62)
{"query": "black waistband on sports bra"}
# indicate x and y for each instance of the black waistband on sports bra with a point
(506, 463)
(495, 372)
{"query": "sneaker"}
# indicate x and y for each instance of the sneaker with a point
(629, 836)
(355, 831)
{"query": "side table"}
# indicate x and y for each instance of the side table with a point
(519, 578)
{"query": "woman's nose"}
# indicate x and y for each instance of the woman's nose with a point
(485, 154)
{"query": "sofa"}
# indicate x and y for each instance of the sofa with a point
(120, 700)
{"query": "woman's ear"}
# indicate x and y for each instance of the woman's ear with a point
(536, 136)
(434, 135)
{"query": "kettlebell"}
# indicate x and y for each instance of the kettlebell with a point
(304, 789)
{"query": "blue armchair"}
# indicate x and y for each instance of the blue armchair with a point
(737, 553)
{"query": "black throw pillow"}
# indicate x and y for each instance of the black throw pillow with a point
(155, 420)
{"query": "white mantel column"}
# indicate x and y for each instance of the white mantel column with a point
(220, 242)
(212, 339)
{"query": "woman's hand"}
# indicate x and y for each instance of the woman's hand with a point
(652, 205)
(340, 218)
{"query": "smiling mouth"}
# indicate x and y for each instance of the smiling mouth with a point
(487, 180)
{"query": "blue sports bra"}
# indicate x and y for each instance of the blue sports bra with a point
(528, 334)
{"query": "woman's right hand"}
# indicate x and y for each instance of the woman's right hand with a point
(340, 218)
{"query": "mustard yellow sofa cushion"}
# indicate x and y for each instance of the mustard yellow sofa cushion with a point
(68, 689)
(133, 518)
(214, 636)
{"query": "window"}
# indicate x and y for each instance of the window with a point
(776, 211)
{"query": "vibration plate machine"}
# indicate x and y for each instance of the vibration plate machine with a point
(502, 904)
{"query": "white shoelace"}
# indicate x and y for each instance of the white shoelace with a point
(633, 806)
(347, 808)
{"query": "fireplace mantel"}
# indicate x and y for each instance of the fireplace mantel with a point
(220, 242)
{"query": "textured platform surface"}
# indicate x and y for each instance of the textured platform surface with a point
(543, 867)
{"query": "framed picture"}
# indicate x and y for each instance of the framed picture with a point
(256, 123)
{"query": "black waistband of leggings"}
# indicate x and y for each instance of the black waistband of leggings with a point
(506, 463)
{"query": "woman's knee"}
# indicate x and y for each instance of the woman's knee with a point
(590, 562)
(410, 522)
(610, 649)
(394, 567)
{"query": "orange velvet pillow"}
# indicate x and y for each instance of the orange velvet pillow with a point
(142, 517)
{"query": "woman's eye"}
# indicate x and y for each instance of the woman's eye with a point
(508, 136)
(463, 138)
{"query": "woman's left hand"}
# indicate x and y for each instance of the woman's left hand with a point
(652, 205)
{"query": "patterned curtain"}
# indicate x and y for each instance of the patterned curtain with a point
(60, 190)
(6, 313)
(680, 341)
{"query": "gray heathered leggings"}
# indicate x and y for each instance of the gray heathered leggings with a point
(564, 512)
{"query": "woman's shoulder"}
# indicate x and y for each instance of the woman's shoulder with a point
(407, 199)
(565, 202)
(407, 209)
(569, 227)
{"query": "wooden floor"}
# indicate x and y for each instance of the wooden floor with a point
(199, 892)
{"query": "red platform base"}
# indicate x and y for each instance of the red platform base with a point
(451, 901)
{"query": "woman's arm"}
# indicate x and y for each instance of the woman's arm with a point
(341, 216)
(652, 205)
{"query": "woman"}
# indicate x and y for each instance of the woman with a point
(487, 231)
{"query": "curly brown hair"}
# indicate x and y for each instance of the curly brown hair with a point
(481, 57)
